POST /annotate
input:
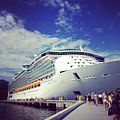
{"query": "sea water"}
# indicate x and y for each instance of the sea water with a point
(20, 112)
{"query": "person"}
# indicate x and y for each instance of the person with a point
(105, 100)
(53, 98)
(85, 98)
(95, 99)
(110, 98)
(116, 104)
(80, 98)
(100, 98)
(92, 97)
(89, 98)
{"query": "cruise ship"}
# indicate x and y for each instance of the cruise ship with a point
(65, 73)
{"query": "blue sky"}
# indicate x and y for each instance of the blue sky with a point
(28, 27)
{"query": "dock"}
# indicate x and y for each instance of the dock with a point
(45, 104)
(69, 109)
(89, 112)
(82, 112)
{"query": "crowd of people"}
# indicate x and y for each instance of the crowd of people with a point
(110, 100)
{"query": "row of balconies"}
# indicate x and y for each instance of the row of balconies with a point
(31, 85)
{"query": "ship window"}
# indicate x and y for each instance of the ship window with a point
(76, 75)
(71, 66)
(105, 75)
(62, 71)
(93, 76)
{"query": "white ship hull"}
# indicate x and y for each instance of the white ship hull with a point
(99, 77)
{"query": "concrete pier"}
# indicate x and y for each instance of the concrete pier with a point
(60, 115)
(80, 111)
(45, 104)
(89, 112)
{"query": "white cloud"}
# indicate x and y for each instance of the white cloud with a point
(113, 57)
(73, 7)
(63, 23)
(77, 43)
(8, 22)
(17, 43)
(70, 44)
(109, 55)
(66, 11)
(64, 20)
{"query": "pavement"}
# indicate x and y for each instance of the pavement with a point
(89, 112)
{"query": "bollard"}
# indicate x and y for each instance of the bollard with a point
(44, 105)
(52, 106)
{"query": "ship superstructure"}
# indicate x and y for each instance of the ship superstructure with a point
(60, 73)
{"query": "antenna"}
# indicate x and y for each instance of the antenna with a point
(81, 48)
